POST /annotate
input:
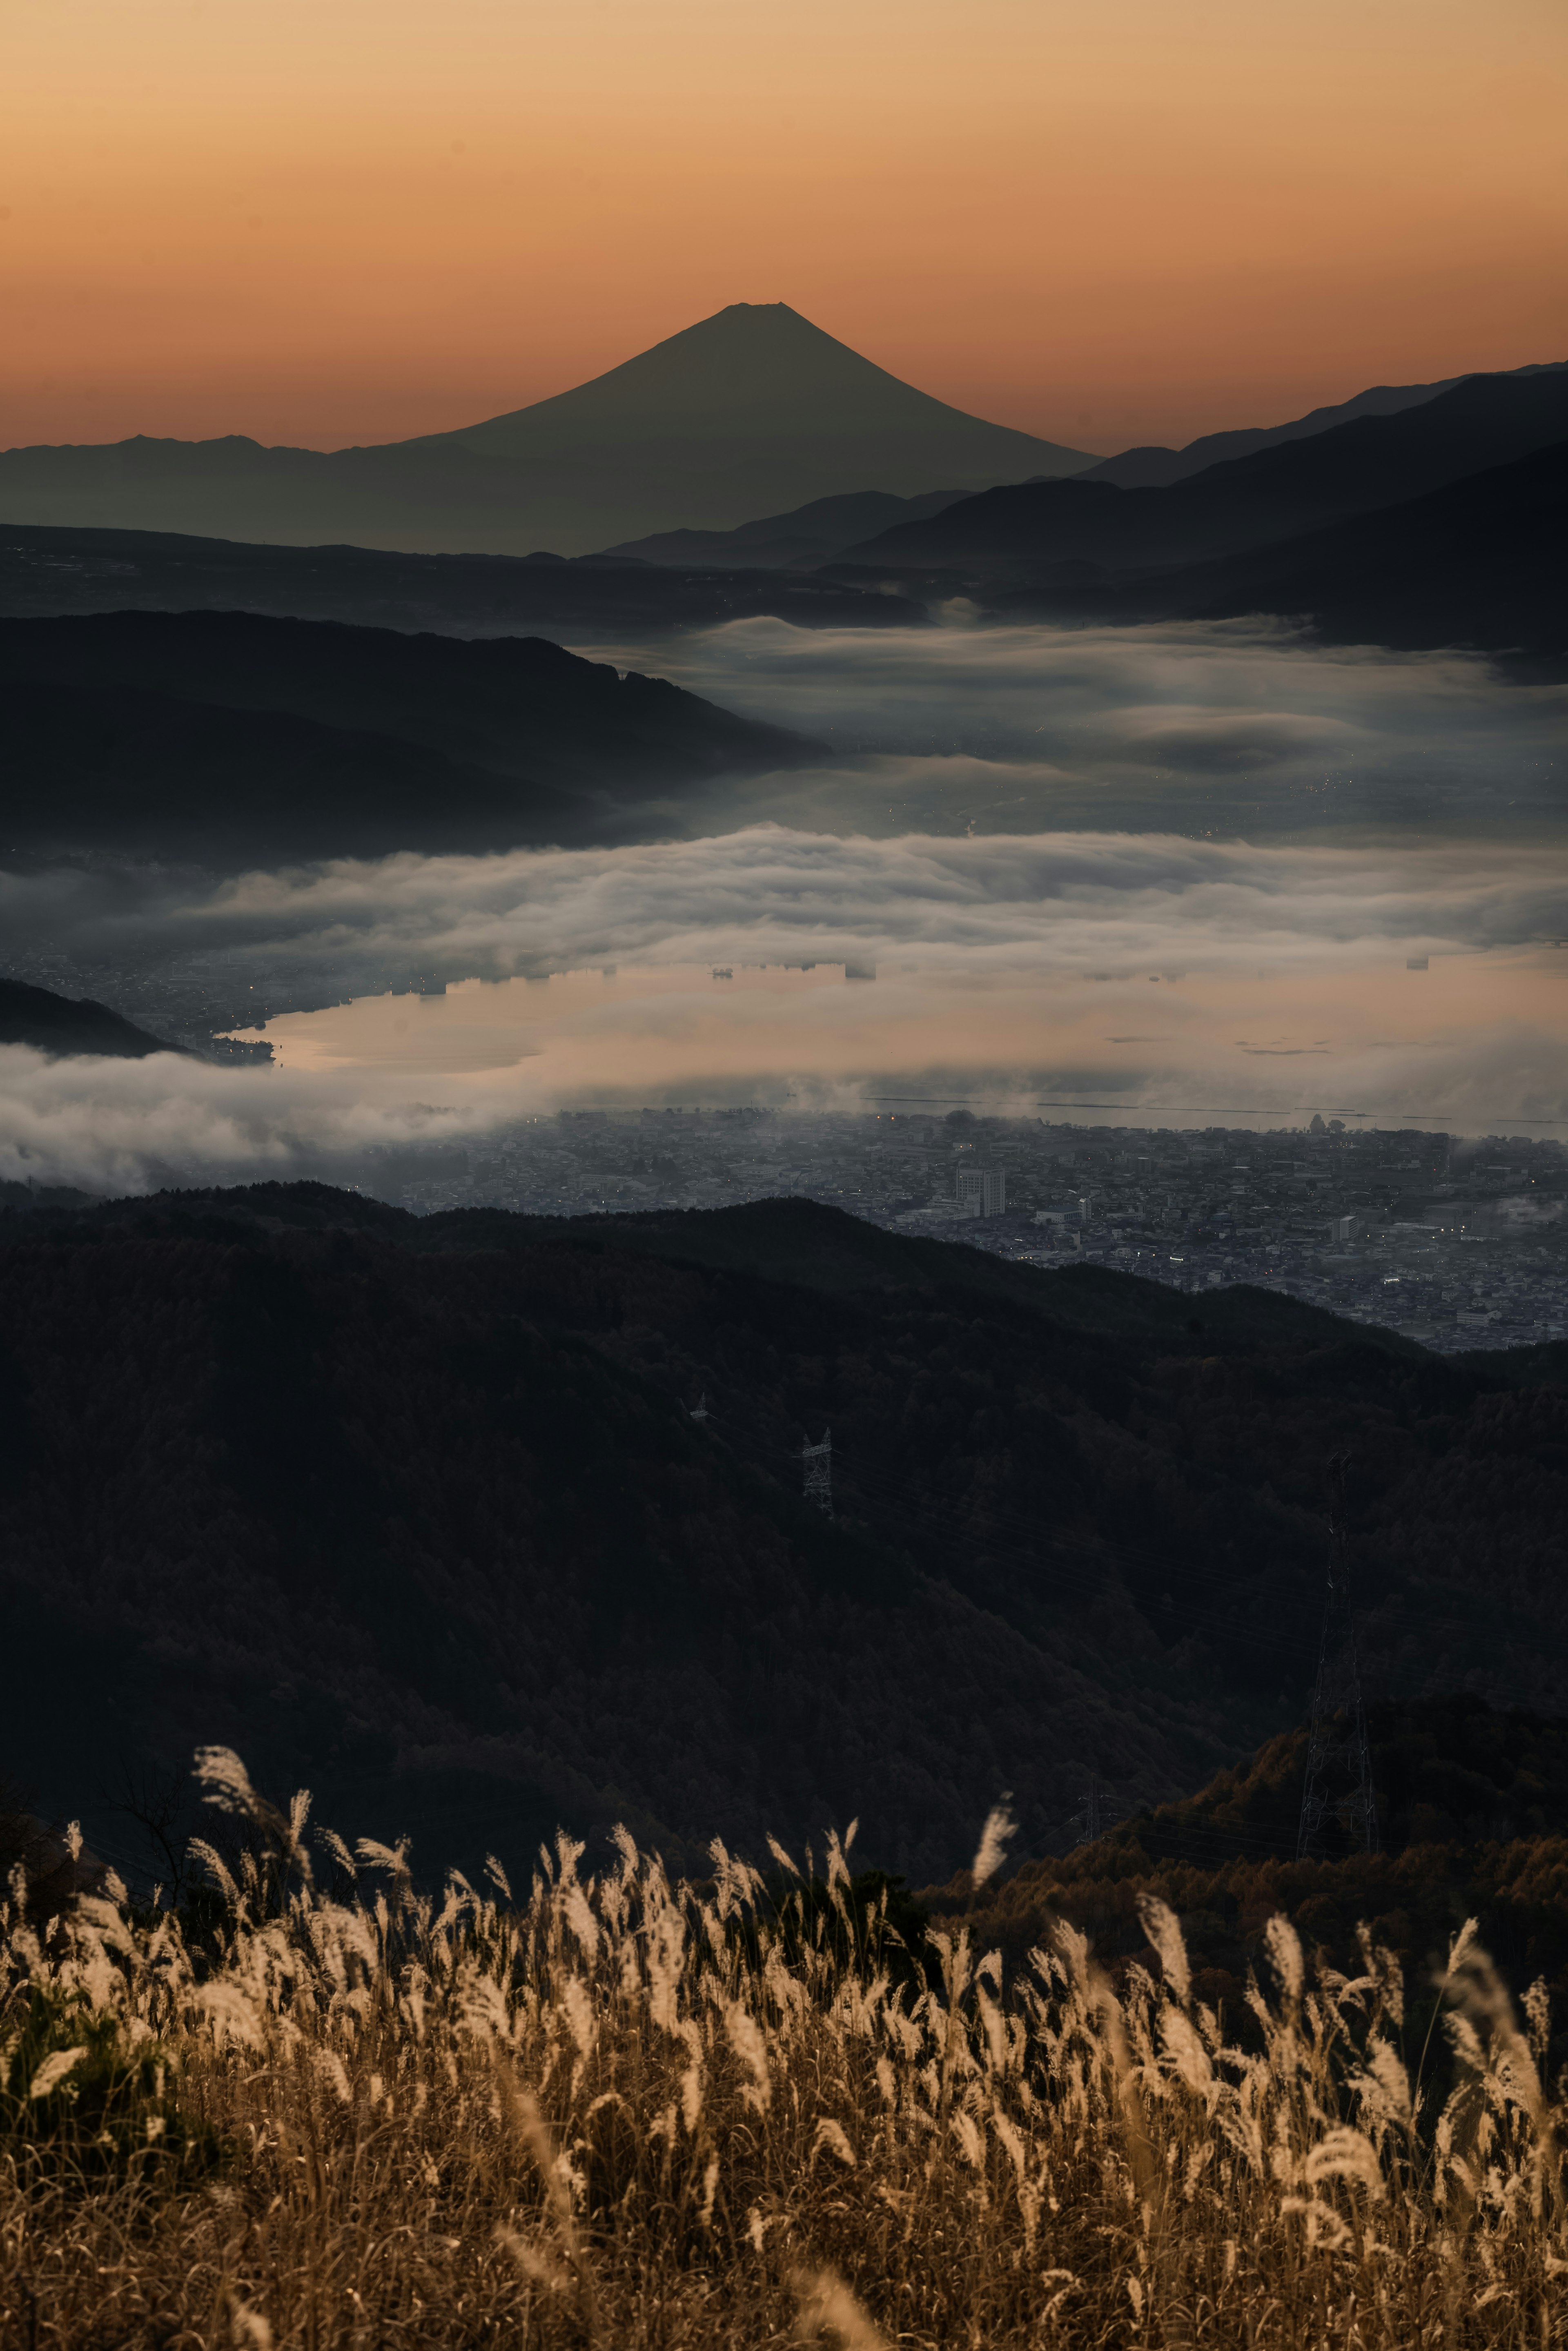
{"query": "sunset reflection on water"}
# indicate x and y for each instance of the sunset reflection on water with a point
(1466, 1038)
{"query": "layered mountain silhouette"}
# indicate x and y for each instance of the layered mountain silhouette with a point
(228, 735)
(1153, 468)
(45, 572)
(750, 411)
(1365, 525)
(1277, 493)
(65, 1024)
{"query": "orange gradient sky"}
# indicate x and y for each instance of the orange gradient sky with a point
(1105, 221)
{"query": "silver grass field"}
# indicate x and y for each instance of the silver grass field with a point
(623, 2111)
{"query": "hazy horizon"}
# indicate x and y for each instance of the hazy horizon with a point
(330, 226)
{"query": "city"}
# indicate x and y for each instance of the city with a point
(1455, 1241)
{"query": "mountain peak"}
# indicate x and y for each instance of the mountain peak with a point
(760, 372)
(754, 411)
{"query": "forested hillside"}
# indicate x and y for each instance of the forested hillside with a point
(65, 1024)
(1472, 1822)
(416, 1512)
(231, 735)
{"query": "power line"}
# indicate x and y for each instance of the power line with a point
(1338, 1783)
(818, 1462)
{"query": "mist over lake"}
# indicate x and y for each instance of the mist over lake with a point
(1167, 871)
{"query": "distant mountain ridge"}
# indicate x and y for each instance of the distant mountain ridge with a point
(1153, 467)
(1366, 526)
(48, 572)
(1476, 563)
(826, 532)
(1276, 493)
(752, 411)
(798, 541)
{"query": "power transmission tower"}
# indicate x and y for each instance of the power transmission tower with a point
(1337, 1789)
(699, 1410)
(1100, 1809)
(818, 1462)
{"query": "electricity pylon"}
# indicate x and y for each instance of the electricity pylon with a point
(818, 1462)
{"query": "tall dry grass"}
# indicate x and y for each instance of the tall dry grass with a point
(619, 2111)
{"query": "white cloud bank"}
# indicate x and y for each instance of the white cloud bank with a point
(120, 1125)
(1065, 902)
(1186, 865)
(1156, 972)
(1238, 726)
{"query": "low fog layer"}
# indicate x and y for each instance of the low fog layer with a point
(1065, 902)
(1173, 869)
(1165, 972)
(117, 1126)
(1236, 727)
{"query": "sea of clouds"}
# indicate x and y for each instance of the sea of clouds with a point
(1006, 818)
(771, 894)
(1242, 727)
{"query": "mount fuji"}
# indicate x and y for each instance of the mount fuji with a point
(750, 411)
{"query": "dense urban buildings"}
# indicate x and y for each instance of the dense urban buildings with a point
(1459, 1241)
(1456, 1242)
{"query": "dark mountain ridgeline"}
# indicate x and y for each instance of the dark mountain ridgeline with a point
(147, 775)
(1151, 468)
(798, 541)
(504, 703)
(750, 411)
(48, 572)
(230, 733)
(1478, 563)
(1277, 493)
(1472, 562)
(63, 1024)
(414, 1511)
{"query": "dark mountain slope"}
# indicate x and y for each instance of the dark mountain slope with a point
(43, 572)
(147, 775)
(64, 1024)
(808, 536)
(750, 411)
(414, 1511)
(1150, 468)
(231, 733)
(509, 704)
(1479, 563)
(1372, 461)
(818, 1247)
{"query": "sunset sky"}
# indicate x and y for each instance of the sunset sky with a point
(1105, 221)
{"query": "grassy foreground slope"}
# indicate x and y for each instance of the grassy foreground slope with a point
(623, 2112)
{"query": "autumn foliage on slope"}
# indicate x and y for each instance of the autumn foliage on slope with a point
(1472, 1808)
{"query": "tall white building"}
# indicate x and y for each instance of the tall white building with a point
(983, 1191)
